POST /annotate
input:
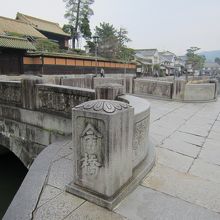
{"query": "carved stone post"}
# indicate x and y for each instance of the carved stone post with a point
(29, 92)
(102, 143)
(109, 91)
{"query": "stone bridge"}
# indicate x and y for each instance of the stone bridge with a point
(110, 142)
(34, 115)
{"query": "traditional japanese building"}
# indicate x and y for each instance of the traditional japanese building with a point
(49, 29)
(12, 51)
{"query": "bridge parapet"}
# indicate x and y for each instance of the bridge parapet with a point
(31, 94)
(10, 93)
(34, 115)
(61, 99)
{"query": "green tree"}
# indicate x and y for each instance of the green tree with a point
(112, 42)
(122, 35)
(67, 29)
(108, 41)
(78, 13)
(194, 59)
(126, 54)
(85, 27)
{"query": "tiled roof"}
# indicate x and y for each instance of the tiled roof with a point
(146, 52)
(15, 43)
(167, 58)
(211, 65)
(42, 25)
(8, 26)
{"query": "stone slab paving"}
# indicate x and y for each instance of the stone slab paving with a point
(184, 184)
(145, 203)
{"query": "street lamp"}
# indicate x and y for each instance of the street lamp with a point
(95, 40)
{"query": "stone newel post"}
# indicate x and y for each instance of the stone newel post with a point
(102, 143)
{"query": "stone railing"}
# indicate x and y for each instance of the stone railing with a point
(200, 90)
(92, 82)
(34, 115)
(61, 99)
(195, 91)
(31, 94)
(155, 88)
(11, 93)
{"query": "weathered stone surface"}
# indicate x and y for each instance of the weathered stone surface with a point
(81, 82)
(191, 128)
(214, 136)
(178, 89)
(58, 208)
(61, 173)
(61, 99)
(29, 93)
(156, 88)
(10, 93)
(140, 145)
(184, 186)
(140, 139)
(100, 81)
(199, 92)
(211, 153)
(37, 135)
(181, 147)
(206, 170)
(108, 91)
(188, 138)
(145, 203)
(174, 160)
(48, 193)
(25, 200)
(92, 212)
(94, 123)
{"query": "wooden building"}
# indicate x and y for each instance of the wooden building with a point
(12, 51)
(60, 63)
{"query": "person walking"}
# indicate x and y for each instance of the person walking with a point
(102, 73)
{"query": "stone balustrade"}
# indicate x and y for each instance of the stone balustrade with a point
(10, 93)
(61, 99)
(31, 94)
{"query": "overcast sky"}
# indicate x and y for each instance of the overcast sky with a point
(173, 25)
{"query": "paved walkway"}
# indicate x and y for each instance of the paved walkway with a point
(184, 184)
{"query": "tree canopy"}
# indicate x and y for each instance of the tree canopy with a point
(197, 61)
(112, 42)
(78, 13)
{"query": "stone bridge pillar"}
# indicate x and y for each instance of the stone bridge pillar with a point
(102, 143)
(29, 92)
(109, 91)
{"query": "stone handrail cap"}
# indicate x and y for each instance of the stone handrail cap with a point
(103, 106)
(109, 85)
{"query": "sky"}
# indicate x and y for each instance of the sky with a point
(173, 25)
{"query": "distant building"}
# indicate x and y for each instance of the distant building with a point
(167, 62)
(49, 29)
(147, 59)
(12, 51)
(211, 68)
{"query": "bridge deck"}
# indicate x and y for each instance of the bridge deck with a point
(184, 184)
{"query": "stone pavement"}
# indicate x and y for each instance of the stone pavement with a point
(184, 184)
